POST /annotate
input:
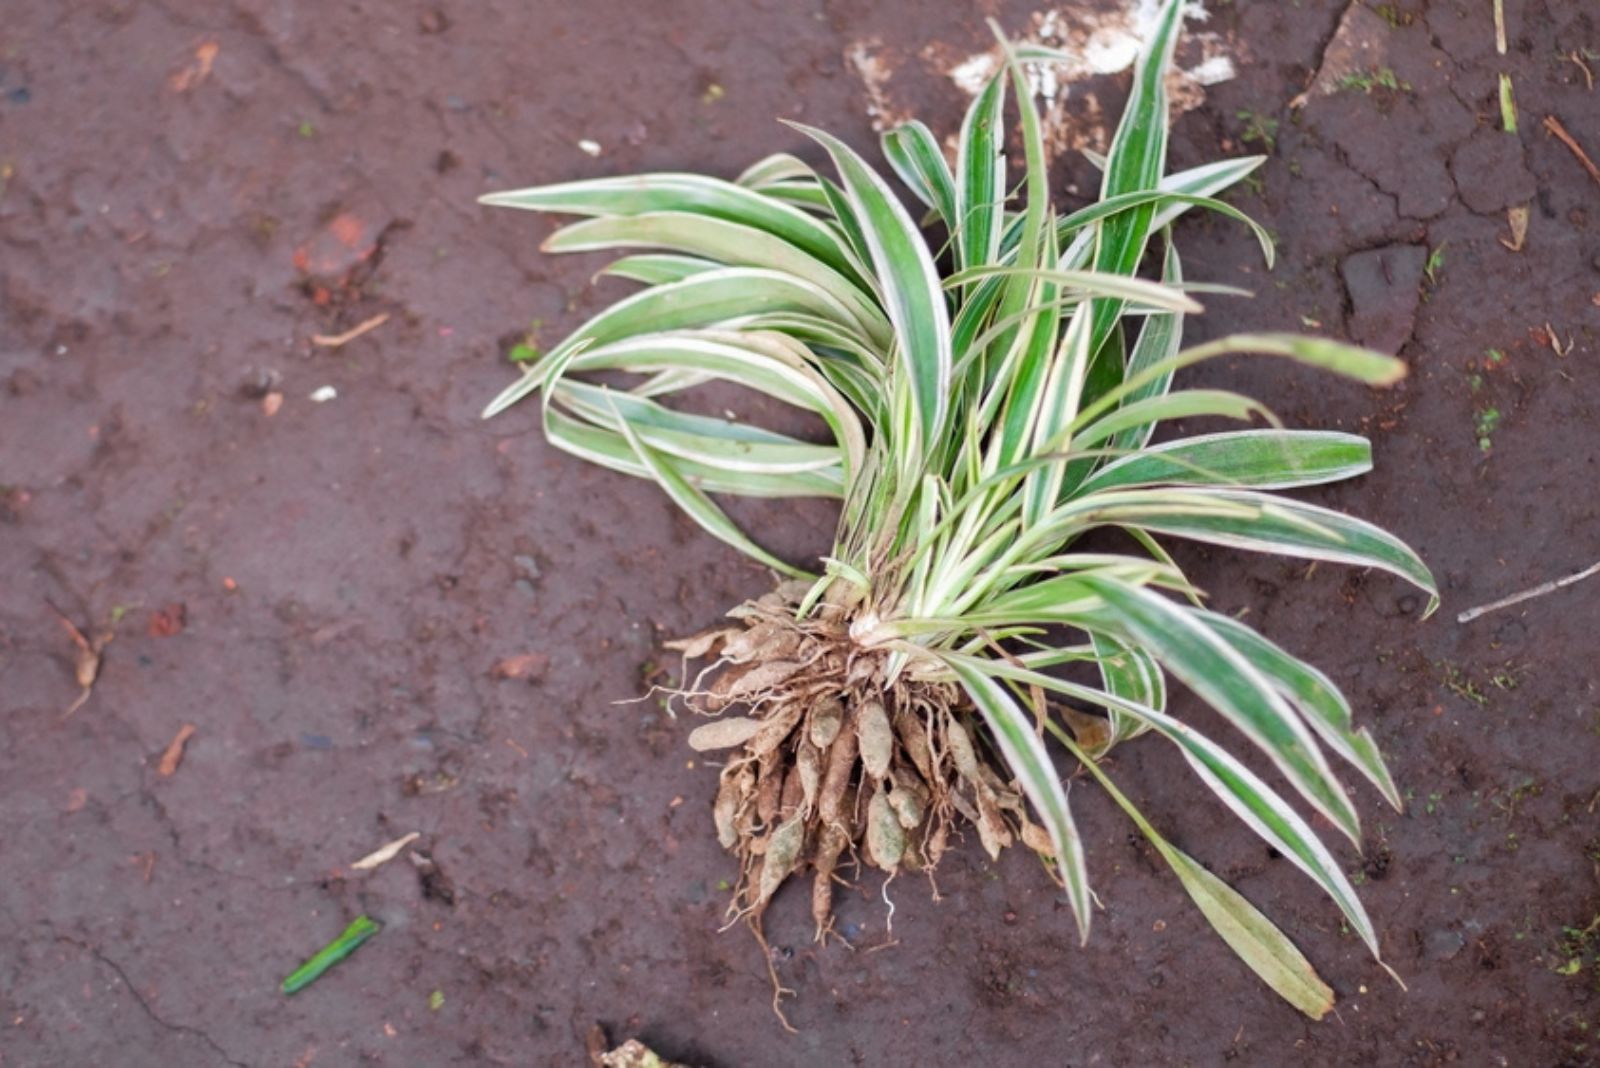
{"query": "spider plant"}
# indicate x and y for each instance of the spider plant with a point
(989, 397)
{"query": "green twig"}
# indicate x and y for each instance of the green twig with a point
(360, 929)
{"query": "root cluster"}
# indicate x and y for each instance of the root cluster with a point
(830, 763)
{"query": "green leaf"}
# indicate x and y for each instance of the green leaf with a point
(910, 282)
(655, 269)
(1314, 696)
(1226, 681)
(914, 153)
(1184, 404)
(1090, 283)
(1256, 940)
(1135, 163)
(1253, 801)
(706, 299)
(1026, 756)
(778, 167)
(733, 244)
(1290, 528)
(1253, 937)
(981, 177)
(700, 508)
(1363, 365)
(1263, 459)
(1131, 673)
(1160, 339)
(711, 197)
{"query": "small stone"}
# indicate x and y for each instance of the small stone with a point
(1442, 944)
(1511, 632)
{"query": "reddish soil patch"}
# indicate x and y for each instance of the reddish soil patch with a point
(330, 592)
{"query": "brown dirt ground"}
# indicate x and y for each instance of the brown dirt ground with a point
(350, 572)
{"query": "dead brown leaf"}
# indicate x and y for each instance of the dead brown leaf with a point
(169, 621)
(1517, 219)
(86, 664)
(530, 666)
(198, 71)
(173, 756)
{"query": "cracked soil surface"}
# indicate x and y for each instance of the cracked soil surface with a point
(190, 191)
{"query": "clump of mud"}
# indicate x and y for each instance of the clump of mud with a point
(830, 763)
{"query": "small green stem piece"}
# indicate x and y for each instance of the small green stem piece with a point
(1508, 105)
(360, 929)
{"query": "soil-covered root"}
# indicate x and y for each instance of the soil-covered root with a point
(830, 763)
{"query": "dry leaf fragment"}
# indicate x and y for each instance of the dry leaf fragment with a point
(531, 666)
(198, 71)
(1037, 838)
(992, 830)
(169, 621)
(173, 755)
(633, 1054)
(334, 341)
(1517, 219)
(385, 853)
(86, 664)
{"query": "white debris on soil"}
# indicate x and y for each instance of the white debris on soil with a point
(588, 147)
(873, 67)
(323, 394)
(1093, 44)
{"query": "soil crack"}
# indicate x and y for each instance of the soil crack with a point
(149, 1010)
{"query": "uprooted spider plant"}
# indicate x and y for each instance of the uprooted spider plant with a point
(981, 422)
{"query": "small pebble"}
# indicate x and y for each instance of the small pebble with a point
(323, 394)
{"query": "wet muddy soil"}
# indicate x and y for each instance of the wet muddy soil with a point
(382, 615)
